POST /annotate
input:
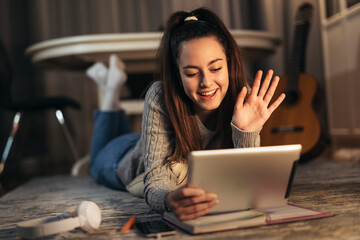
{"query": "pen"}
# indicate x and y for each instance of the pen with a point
(128, 224)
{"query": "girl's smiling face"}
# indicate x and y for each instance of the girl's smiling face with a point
(204, 74)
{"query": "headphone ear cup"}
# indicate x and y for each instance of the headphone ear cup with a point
(89, 215)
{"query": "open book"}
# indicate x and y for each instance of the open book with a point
(242, 219)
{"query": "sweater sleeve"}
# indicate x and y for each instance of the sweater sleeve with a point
(243, 139)
(157, 137)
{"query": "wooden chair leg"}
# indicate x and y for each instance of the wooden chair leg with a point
(60, 118)
(15, 127)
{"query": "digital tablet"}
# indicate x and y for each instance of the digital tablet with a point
(245, 178)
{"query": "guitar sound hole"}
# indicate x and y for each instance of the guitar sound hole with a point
(292, 97)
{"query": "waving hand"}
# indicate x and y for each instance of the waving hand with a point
(250, 114)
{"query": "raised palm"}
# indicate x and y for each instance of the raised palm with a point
(251, 113)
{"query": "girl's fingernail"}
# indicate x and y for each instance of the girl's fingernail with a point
(214, 195)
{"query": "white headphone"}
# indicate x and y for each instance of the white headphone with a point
(87, 216)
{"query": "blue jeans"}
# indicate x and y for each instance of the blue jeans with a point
(111, 141)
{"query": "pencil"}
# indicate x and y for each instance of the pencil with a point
(128, 224)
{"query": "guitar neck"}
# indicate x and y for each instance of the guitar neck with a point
(297, 65)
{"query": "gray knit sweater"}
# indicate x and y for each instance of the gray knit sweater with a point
(155, 145)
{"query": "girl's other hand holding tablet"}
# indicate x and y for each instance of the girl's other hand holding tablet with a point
(190, 202)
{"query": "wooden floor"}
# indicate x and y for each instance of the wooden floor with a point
(327, 186)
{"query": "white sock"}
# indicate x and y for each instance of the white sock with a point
(98, 72)
(116, 78)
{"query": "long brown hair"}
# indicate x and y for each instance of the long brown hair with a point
(178, 104)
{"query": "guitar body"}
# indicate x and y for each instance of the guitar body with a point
(295, 123)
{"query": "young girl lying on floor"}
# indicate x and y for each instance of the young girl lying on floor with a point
(202, 100)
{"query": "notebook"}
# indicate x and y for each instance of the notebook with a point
(245, 178)
(244, 219)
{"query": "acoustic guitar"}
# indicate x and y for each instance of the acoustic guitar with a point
(295, 121)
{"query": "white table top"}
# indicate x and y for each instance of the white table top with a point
(137, 50)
